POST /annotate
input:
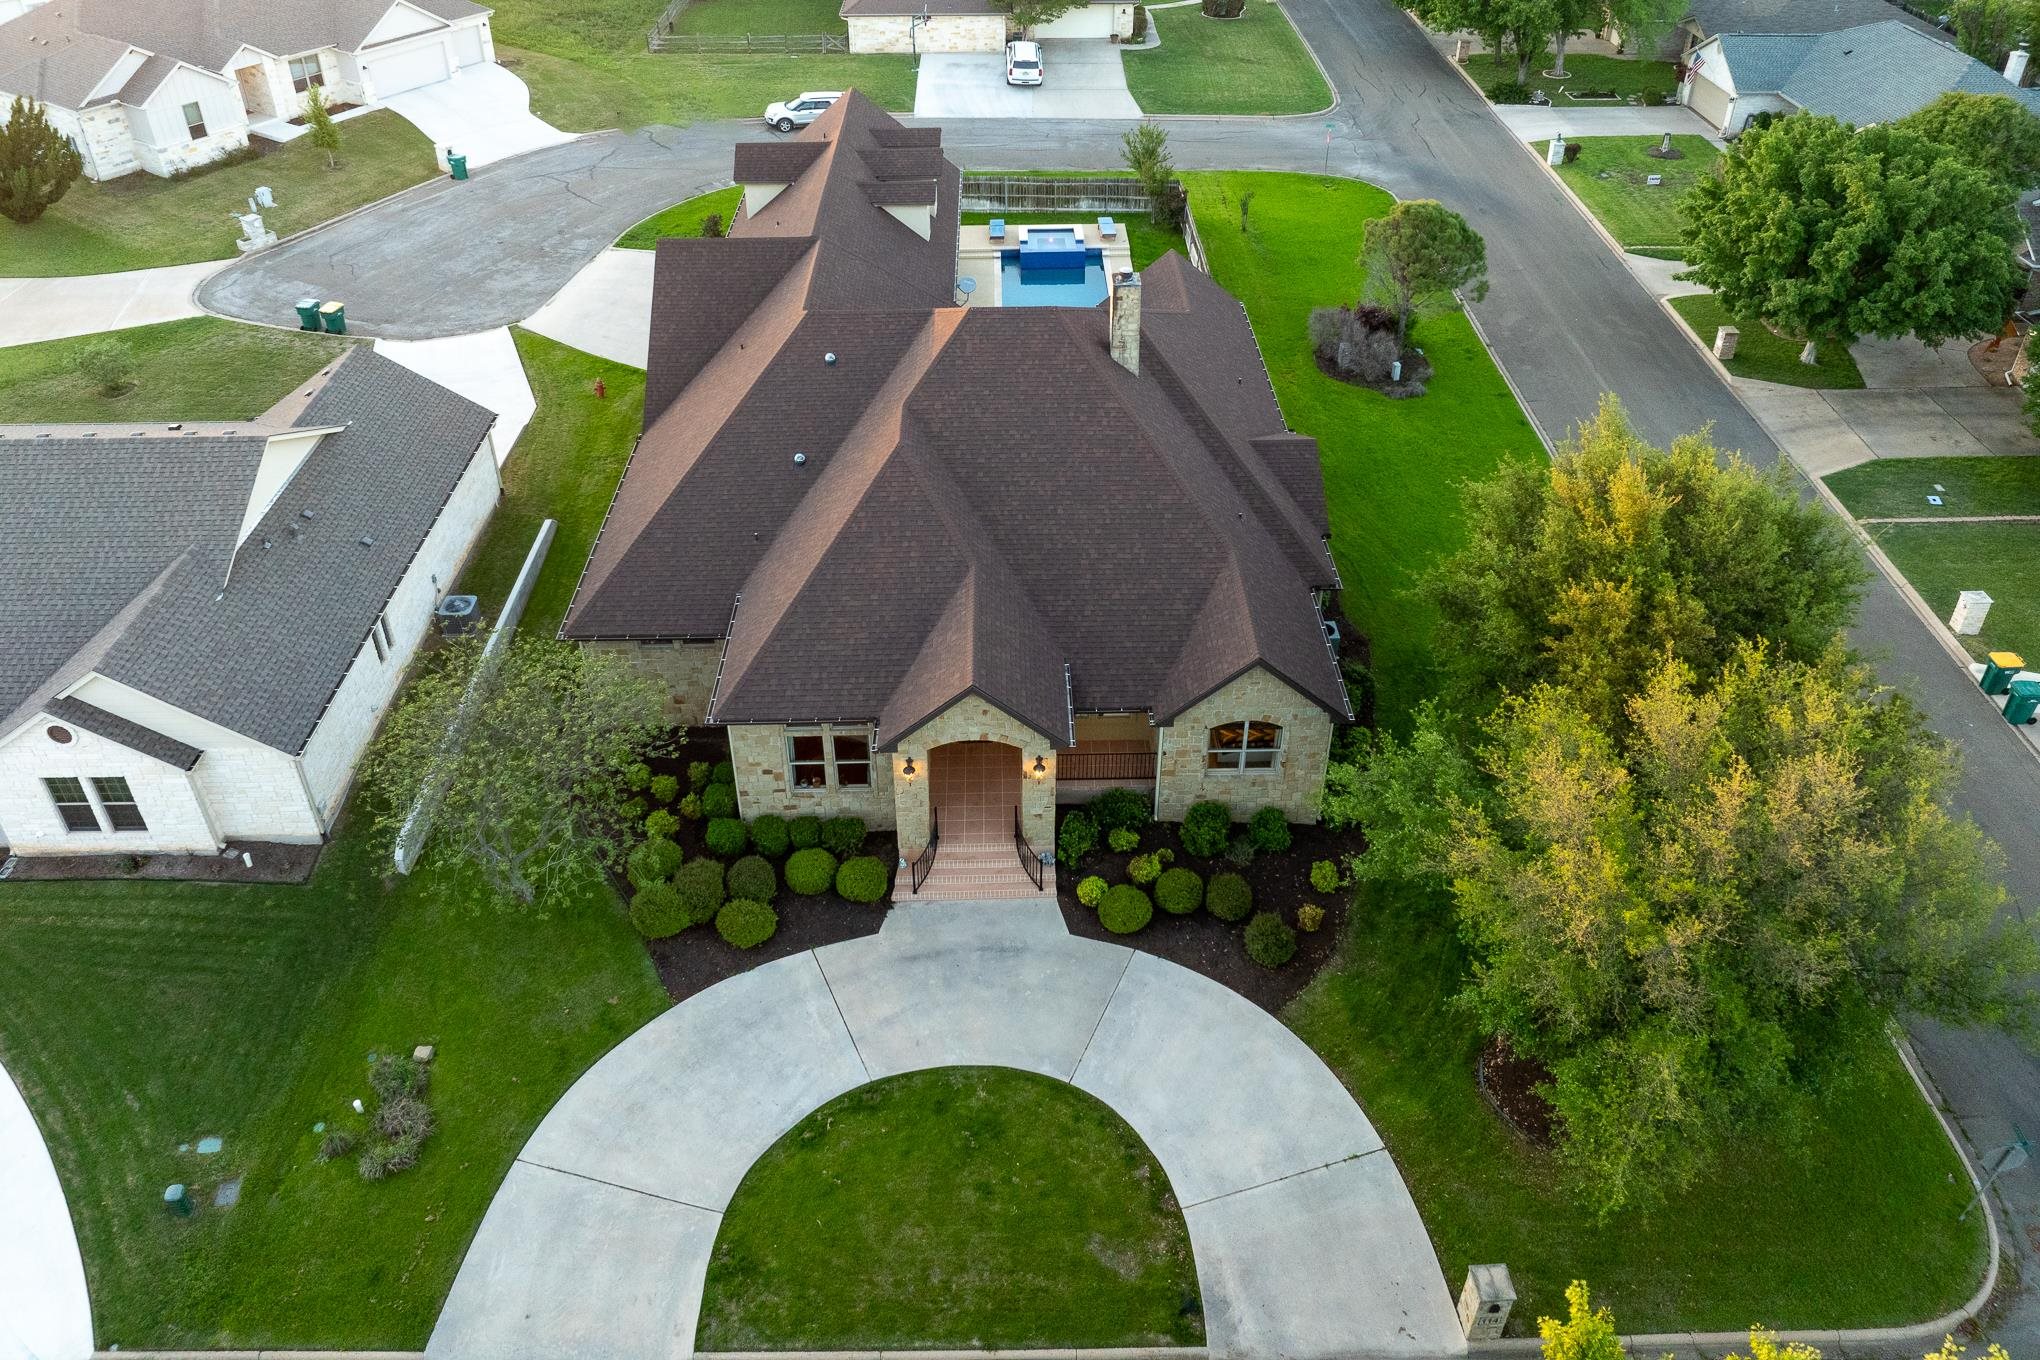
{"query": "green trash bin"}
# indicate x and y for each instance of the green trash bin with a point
(457, 164)
(1998, 670)
(334, 314)
(308, 314)
(2021, 703)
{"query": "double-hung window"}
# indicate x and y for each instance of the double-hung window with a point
(72, 804)
(1244, 746)
(306, 72)
(119, 801)
(826, 757)
(194, 121)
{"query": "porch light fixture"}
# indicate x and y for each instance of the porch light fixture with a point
(907, 771)
(1040, 769)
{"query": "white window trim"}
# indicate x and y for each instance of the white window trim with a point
(1241, 766)
(90, 804)
(203, 129)
(106, 806)
(828, 732)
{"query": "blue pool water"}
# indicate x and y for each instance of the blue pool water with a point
(1023, 283)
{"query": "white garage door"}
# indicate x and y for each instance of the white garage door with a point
(467, 45)
(406, 70)
(1085, 21)
(1707, 99)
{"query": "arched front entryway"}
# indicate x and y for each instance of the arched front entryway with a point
(974, 787)
(1306, 1243)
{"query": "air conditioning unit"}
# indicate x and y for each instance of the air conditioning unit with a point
(458, 614)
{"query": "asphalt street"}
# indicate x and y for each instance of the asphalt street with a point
(1565, 319)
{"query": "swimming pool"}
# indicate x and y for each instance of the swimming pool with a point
(1075, 278)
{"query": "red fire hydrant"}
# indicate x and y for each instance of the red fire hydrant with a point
(601, 388)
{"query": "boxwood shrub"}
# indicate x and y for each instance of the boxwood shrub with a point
(1119, 810)
(862, 879)
(690, 806)
(1125, 909)
(1228, 897)
(1145, 869)
(636, 776)
(768, 834)
(1122, 840)
(810, 872)
(1078, 837)
(843, 836)
(1090, 890)
(665, 787)
(1269, 830)
(725, 837)
(700, 885)
(745, 923)
(1207, 828)
(804, 833)
(697, 775)
(656, 911)
(1179, 891)
(654, 860)
(1324, 876)
(719, 800)
(1270, 941)
(659, 822)
(724, 773)
(752, 877)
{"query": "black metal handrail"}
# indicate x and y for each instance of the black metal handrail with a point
(926, 861)
(1029, 861)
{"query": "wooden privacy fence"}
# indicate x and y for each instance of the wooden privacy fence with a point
(778, 44)
(1021, 193)
(663, 25)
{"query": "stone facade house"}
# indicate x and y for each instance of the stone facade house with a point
(171, 85)
(972, 25)
(942, 566)
(205, 622)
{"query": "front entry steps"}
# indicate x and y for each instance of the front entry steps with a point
(967, 871)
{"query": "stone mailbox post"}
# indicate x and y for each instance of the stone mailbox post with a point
(1725, 338)
(1485, 1301)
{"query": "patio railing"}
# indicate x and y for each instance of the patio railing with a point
(1029, 861)
(1026, 193)
(1133, 766)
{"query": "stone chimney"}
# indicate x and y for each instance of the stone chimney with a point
(2015, 65)
(1122, 320)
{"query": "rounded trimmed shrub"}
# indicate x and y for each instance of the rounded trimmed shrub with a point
(659, 822)
(862, 879)
(1119, 810)
(725, 837)
(1228, 897)
(810, 872)
(700, 885)
(1145, 869)
(745, 923)
(1324, 876)
(1269, 831)
(1270, 941)
(697, 775)
(1207, 829)
(690, 807)
(665, 788)
(652, 861)
(1125, 909)
(1309, 916)
(1091, 890)
(719, 800)
(636, 776)
(724, 773)
(752, 877)
(1078, 837)
(843, 836)
(1121, 839)
(768, 834)
(633, 809)
(804, 833)
(656, 911)
(1179, 891)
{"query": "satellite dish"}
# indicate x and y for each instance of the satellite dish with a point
(965, 287)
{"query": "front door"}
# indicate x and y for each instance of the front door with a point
(975, 789)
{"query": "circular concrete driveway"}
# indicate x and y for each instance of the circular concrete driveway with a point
(1306, 1242)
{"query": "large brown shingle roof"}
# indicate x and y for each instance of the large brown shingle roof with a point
(985, 500)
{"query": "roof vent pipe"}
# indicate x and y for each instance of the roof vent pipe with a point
(800, 460)
(2015, 65)
(830, 358)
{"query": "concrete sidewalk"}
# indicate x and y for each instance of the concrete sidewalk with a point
(33, 310)
(484, 368)
(44, 1311)
(1826, 431)
(605, 309)
(1306, 1242)
(1540, 123)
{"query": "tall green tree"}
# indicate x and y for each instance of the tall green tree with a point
(1989, 29)
(1523, 28)
(1417, 256)
(38, 164)
(521, 758)
(1828, 234)
(1640, 22)
(1145, 147)
(324, 132)
(1993, 132)
(1587, 571)
(1028, 13)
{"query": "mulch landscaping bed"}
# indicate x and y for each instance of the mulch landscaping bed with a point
(1509, 1082)
(698, 958)
(274, 862)
(1203, 943)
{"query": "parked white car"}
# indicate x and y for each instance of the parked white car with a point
(800, 110)
(1023, 63)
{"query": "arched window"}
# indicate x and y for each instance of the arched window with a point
(1244, 745)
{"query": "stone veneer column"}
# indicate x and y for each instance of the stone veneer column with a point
(973, 719)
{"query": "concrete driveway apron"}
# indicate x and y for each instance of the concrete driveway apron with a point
(484, 113)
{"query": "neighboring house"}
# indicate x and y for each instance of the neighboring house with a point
(1873, 73)
(970, 25)
(204, 622)
(1707, 18)
(927, 561)
(169, 85)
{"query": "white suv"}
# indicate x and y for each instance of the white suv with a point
(801, 110)
(1023, 63)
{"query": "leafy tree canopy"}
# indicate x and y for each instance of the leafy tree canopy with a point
(1588, 570)
(1829, 234)
(1993, 132)
(1028, 13)
(38, 164)
(1418, 255)
(1989, 29)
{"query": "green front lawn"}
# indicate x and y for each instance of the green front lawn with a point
(1585, 74)
(976, 1207)
(1392, 468)
(683, 219)
(1256, 63)
(1943, 560)
(139, 221)
(1966, 486)
(1762, 355)
(201, 368)
(760, 16)
(566, 467)
(1611, 177)
(1873, 1180)
(1144, 239)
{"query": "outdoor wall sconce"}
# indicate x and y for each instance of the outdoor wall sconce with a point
(907, 771)
(1040, 770)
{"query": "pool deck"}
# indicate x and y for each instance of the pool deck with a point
(978, 255)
